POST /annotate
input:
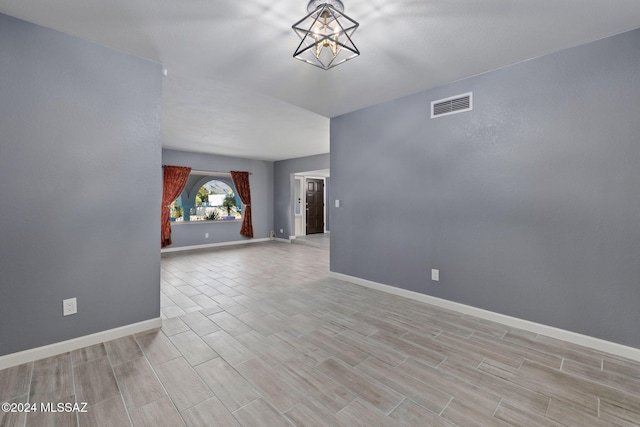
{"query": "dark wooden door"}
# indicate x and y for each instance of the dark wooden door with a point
(315, 206)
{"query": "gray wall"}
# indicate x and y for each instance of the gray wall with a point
(283, 189)
(261, 182)
(80, 186)
(529, 205)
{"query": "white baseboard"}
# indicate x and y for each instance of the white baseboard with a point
(54, 349)
(214, 245)
(538, 328)
(279, 239)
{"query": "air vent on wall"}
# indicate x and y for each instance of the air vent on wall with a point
(452, 105)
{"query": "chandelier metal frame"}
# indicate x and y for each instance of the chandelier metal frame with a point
(325, 35)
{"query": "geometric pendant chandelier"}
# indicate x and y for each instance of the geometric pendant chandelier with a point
(325, 35)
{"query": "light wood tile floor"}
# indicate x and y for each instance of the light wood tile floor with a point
(259, 335)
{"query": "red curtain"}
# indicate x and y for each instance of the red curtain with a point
(175, 178)
(241, 181)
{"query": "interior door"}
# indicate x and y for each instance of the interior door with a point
(315, 206)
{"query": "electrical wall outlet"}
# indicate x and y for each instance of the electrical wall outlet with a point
(69, 306)
(435, 275)
(206, 235)
(281, 231)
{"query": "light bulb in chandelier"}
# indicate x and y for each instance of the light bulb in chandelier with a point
(326, 37)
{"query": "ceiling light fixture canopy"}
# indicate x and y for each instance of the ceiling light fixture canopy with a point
(325, 35)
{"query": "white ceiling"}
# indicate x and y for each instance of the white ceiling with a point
(233, 87)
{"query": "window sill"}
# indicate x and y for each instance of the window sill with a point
(206, 222)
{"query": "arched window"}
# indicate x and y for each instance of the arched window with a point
(207, 198)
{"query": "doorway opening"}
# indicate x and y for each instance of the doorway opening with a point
(310, 208)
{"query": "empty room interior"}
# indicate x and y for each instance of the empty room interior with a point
(320, 213)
